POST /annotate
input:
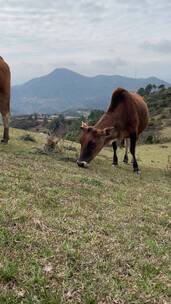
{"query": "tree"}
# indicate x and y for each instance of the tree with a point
(74, 129)
(94, 116)
(148, 89)
(61, 118)
(161, 87)
(141, 91)
(45, 120)
(35, 116)
(56, 123)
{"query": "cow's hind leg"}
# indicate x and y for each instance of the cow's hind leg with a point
(5, 118)
(133, 139)
(115, 158)
(125, 160)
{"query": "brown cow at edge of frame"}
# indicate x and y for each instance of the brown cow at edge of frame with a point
(5, 79)
(126, 117)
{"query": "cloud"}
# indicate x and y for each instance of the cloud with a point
(163, 46)
(110, 66)
(94, 36)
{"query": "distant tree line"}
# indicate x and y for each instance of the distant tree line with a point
(149, 89)
(25, 122)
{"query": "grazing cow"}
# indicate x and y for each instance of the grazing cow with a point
(5, 78)
(126, 117)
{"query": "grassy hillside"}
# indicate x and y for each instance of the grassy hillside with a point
(160, 112)
(71, 235)
(159, 101)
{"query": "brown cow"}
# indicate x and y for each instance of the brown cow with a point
(5, 78)
(126, 117)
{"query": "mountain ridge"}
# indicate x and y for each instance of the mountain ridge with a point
(64, 89)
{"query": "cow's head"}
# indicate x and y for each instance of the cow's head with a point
(92, 141)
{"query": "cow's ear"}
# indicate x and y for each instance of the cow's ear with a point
(84, 126)
(108, 131)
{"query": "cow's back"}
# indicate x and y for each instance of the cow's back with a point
(128, 111)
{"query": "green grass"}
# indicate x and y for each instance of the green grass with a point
(73, 235)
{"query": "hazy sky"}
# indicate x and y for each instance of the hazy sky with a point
(127, 37)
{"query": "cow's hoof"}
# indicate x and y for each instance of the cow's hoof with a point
(125, 160)
(3, 141)
(114, 165)
(137, 171)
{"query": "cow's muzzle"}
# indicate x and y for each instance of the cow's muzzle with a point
(82, 164)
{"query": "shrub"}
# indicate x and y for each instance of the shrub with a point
(24, 124)
(27, 137)
(94, 116)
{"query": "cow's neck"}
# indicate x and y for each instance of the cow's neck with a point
(107, 120)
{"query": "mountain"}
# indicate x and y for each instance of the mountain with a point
(64, 89)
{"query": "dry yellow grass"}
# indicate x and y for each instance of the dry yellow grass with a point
(69, 235)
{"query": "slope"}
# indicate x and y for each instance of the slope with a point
(70, 235)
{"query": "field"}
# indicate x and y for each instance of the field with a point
(73, 235)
